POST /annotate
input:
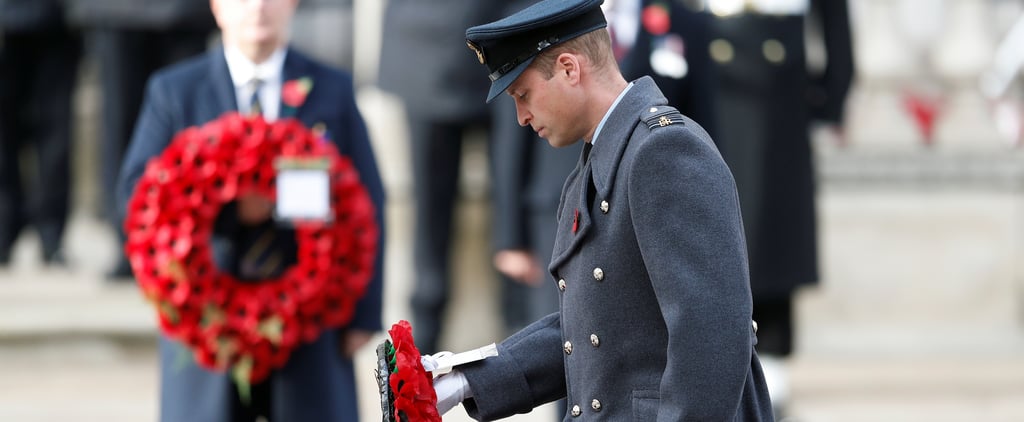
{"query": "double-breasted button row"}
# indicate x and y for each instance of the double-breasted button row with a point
(773, 51)
(594, 404)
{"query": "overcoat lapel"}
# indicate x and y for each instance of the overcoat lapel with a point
(575, 220)
(613, 138)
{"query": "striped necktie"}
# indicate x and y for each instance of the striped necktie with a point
(255, 108)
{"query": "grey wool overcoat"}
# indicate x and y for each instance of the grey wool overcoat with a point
(651, 269)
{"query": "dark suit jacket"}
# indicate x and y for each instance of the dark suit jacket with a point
(655, 303)
(316, 384)
(30, 15)
(693, 93)
(425, 61)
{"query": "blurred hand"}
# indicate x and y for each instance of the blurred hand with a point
(452, 388)
(254, 209)
(519, 265)
(353, 340)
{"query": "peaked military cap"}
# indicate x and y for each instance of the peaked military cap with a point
(508, 46)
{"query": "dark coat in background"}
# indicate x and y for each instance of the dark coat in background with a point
(317, 383)
(685, 38)
(769, 100)
(424, 59)
(39, 57)
(425, 62)
(654, 320)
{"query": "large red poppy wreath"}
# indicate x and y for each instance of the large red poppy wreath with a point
(249, 328)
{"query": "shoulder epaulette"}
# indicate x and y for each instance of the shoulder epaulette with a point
(661, 116)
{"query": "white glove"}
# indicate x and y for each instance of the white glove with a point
(452, 388)
(431, 362)
(442, 362)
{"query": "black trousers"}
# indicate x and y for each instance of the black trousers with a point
(436, 158)
(38, 71)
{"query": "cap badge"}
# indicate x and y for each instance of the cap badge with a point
(476, 49)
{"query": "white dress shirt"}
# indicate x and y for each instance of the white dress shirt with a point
(269, 73)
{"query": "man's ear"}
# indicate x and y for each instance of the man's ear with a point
(567, 65)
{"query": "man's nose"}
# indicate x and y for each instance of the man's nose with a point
(523, 116)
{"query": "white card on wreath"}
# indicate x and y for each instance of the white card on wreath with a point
(303, 192)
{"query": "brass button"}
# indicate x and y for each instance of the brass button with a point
(774, 51)
(576, 410)
(561, 284)
(604, 207)
(598, 274)
(754, 324)
(654, 109)
(721, 51)
(596, 405)
(567, 348)
(594, 340)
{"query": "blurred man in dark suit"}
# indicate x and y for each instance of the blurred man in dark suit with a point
(38, 67)
(248, 75)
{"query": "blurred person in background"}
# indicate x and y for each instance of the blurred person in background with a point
(424, 62)
(39, 58)
(130, 41)
(247, 75)
(771, 98)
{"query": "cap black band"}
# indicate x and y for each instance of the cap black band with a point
(507, 67)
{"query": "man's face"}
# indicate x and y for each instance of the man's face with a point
(549, 106)
(254, 22)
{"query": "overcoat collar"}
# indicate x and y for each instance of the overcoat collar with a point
(612, 141)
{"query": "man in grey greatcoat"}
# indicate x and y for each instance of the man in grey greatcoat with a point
(649, 256)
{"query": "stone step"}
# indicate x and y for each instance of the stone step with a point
(52, 305)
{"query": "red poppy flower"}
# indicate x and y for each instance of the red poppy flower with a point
(656, 19)
(411, 384)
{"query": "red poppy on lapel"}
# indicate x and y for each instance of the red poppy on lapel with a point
(575, 220)
(294, 92)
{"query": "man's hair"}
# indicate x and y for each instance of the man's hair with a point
(595, 45)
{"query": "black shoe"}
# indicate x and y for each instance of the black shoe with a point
(55, 260)
(122, 272)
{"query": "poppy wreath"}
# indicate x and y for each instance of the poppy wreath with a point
(406, 387)
(247, 328)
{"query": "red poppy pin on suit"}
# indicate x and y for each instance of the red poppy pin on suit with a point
(294, 93)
